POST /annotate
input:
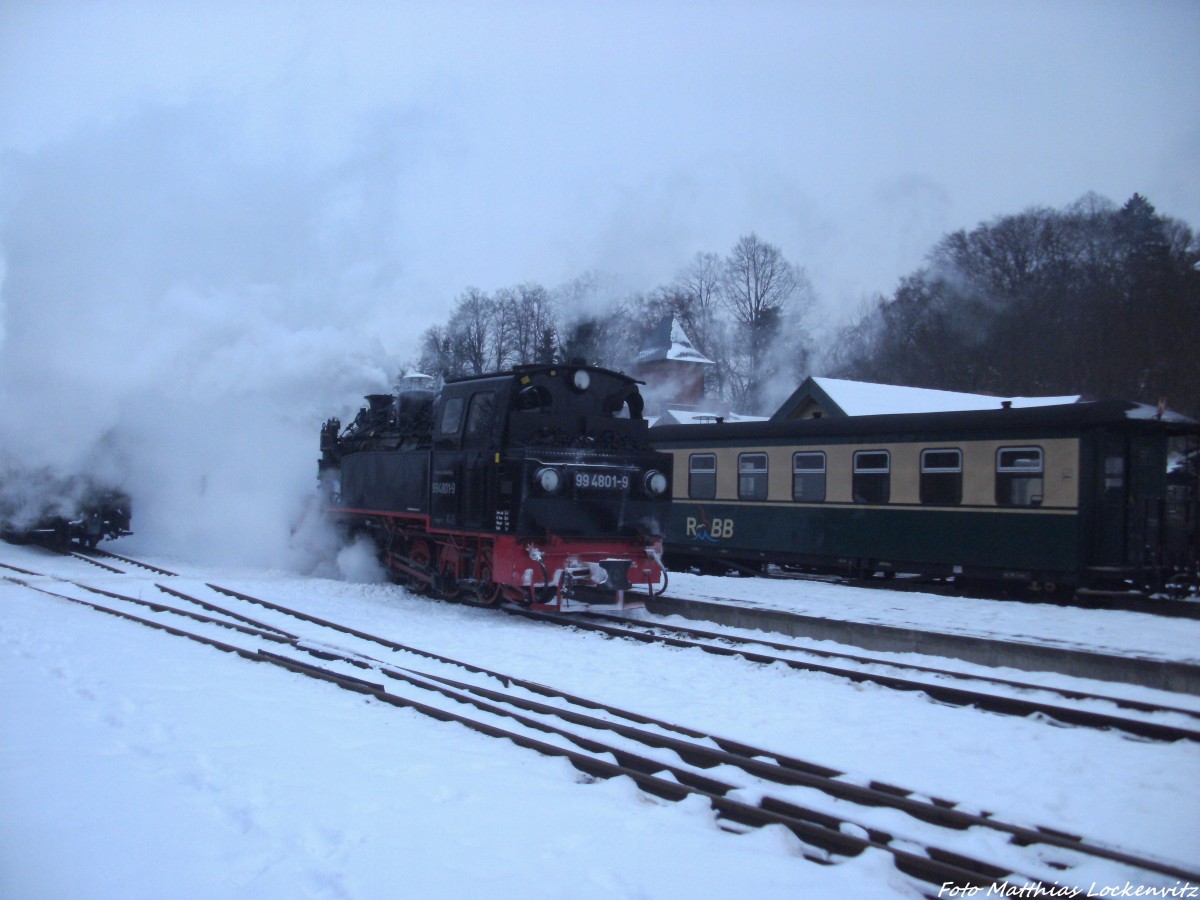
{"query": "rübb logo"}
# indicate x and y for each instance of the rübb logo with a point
(705, 529)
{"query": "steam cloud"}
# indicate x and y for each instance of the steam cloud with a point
(177, 318)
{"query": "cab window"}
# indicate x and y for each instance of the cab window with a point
(480, 415)
(452, 414)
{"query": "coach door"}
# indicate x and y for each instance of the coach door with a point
(1114, 502)
(1147, 499)
(1133, 500)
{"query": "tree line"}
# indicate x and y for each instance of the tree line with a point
(745, 312)
(1091, 299)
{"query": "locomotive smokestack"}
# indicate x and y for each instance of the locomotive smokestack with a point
(380, 403)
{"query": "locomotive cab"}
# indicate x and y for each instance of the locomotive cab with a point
(546, 450)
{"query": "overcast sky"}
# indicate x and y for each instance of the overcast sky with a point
(452, 144)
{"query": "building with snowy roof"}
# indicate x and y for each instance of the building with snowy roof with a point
(672, 367)
(819, 397)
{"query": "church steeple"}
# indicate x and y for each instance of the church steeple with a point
(671, 366)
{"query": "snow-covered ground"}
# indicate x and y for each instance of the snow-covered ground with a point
(134, 764)
(1106, 631)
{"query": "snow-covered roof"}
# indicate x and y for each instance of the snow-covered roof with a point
(836, 396)
(700, 417)
(1145, 411)
(669, 341)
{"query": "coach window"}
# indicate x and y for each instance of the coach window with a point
(941, 477)
(702, 476)
(872, 476)
(452, 415)
(808, 477)
(1019, 476)
(752, 476)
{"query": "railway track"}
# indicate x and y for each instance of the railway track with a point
(1186, 727)
(829, 814)
(106, 554)
(95, 555)
(940, 691)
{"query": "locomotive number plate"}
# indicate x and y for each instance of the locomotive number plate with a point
(600, 480)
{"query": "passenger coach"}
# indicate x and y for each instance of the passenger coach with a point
(1071, 495)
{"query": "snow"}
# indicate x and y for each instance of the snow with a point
(1144, 411)
(1107, 631)
(701, 417)
(861, 398)
(135, 764)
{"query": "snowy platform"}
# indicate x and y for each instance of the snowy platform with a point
(1109, 632)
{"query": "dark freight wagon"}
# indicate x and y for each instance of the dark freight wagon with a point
(37, 506)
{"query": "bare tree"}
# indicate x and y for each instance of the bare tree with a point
(700, 282)
(470, 329)
(437, 352)
(763, 292)
(530, 312)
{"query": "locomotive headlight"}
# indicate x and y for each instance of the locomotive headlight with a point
(581, 379)
(655, 482)
(548, 479)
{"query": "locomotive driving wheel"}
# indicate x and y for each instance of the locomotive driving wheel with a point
(420, 555)
(446, 582)
(490, 593)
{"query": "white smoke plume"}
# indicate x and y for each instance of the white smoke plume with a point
(178, 317)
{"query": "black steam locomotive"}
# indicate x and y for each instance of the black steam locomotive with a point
(536, 486)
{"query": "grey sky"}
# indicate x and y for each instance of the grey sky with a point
(452, 144)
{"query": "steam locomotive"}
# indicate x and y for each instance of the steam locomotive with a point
(536, 486)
